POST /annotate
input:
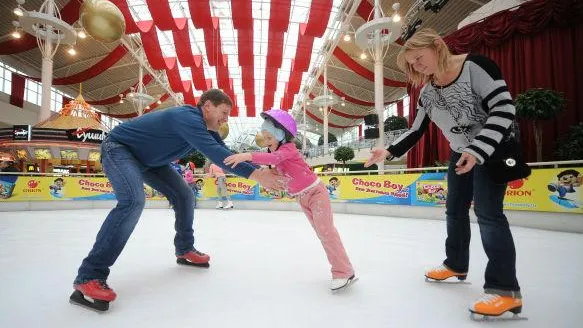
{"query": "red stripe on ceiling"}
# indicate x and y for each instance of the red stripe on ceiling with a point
(197, 72)
(183, 48)
(212, 40)
(319, 120)
(101, 66)
(131, 26)
(245, 47)
(200, 12)
(301, 61)
(69, 13)
(115, 99)
(268, 100)
(348, 98)
(318, 18)
(153, 52)
(365, 9)
(279, 15)
(274, 49)
(363, 71)
(250, 111)
(242, 14)
(248, 79)
(162, 15)
(189, 97)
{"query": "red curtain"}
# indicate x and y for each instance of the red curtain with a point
(535, 46)
(400, 108)
(17, 93)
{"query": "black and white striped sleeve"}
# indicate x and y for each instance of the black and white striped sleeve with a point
(487, 82)
(408, 139)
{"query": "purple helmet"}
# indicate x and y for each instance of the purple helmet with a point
(282, 120)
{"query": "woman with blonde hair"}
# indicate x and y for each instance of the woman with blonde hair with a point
(467, 98)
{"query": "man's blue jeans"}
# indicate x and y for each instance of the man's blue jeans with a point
(496, 236)
(127, 176)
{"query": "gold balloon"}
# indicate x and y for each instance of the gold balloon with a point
(224, 130)
(259, 140)
(102, 20)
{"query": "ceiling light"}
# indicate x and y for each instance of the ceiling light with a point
(72, 51)
(363, 56)
(16, 34)
(159, 102)
(396, 18)
(18, 11)
(347, 37)
(81, 34)
(121, 101)
(147, 107)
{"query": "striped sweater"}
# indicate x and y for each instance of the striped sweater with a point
(474, 112)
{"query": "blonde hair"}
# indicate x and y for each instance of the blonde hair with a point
(424, 38)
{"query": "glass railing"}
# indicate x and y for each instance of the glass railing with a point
(356, 144)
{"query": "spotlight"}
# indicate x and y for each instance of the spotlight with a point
(81, 34)
(121, 101)
(363, 56)
(16, 34)
(159, 102)
(396, 18)
(72, 51)
(18, 12)
(347, 37)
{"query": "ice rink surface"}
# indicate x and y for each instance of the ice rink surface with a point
(268, 269)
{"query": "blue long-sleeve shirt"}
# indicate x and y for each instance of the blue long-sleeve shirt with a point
(158, 138)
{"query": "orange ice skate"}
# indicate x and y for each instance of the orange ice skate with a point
(442, 272)
(493, 305)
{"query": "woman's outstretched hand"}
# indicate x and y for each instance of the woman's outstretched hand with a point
(376, 155)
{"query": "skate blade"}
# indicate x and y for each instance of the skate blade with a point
(459, 282)
(480, 317)
(187, 263)
(348, 284)
(77, 298)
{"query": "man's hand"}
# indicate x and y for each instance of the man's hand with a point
(377, 155)
(465, 163)
(268, 179)
(235, 159)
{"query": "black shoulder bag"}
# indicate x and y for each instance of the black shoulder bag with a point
(506, 163)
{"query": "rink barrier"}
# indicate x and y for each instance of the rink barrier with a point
(540, 201)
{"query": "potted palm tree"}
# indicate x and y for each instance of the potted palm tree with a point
(537, 105)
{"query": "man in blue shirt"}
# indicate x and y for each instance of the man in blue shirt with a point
(138, 152)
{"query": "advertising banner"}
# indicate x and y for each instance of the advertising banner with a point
(548, 190)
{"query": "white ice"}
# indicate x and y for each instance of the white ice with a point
(268, 269)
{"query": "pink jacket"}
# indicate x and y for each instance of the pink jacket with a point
(216, 171)
(188, 177)
(289, 162)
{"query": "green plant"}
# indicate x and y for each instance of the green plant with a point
(537, 105)
(331, 138)
(343, 154)
(394, 123)
(196, 157)
(570, 147)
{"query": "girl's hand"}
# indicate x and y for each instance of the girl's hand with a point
(377, 155)
(235, 159)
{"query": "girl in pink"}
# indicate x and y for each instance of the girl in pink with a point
(278, 130)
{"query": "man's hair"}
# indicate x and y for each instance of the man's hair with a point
(216, 97)
(58, 179)
(333, 179)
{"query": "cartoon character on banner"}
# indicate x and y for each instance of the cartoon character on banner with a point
(198, 184)
(333, 187)
(56, 189)
(566, 182)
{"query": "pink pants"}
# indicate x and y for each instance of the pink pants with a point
(316, 205)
